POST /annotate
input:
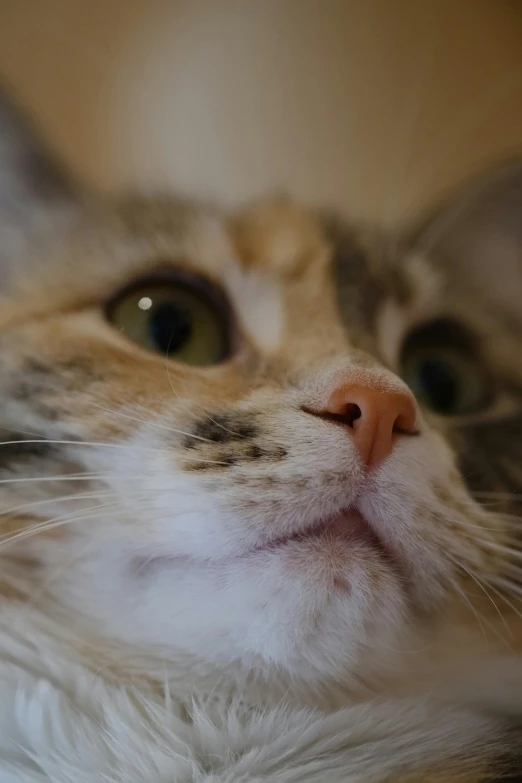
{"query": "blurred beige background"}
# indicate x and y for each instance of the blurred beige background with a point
(373, 106)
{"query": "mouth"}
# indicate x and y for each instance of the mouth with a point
(339, 537)
(349, 527)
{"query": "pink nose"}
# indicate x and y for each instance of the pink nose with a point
(374, 413)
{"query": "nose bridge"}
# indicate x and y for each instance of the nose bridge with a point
(317, 339)
(353, 366)
(317, 348)
(377, 382)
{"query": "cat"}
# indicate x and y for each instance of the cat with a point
(259, 481)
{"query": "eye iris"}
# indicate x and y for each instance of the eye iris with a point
(439, 384)
(170, 327)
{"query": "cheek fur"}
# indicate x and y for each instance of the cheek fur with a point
(248, 477)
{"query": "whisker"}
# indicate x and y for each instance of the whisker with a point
(513, 571)
(221, 426)
(120, 503)
(512, 587)
(35, 530)
(205, 413)
(509, 496)
(507, 516)
(78, 443)
(465, 525)
(468, 603)
(167, 370)
(59, 499)
(503, 549)
(514, 520)
(505, 599)
(479, 583)
(86, 476)
(51, 524)
(152, 424)
(80, 477)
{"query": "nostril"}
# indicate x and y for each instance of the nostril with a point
(351, 413)
(404, 425)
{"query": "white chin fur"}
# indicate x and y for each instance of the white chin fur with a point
(311, 607)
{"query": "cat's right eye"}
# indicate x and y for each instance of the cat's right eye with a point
(180, 316)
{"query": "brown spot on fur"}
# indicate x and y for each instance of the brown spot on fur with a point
(199, 467)
(242, 453)
(222, 428)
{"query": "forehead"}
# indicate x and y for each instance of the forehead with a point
(313, 255)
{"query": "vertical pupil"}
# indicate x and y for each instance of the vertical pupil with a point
(170, 327)
(439, 384)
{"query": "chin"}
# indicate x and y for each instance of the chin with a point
(322, 604)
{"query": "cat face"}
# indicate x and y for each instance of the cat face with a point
(258, 439)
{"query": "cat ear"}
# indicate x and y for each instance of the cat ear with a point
(479, 235)
(35, 192)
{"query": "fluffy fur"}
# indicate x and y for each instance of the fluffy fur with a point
(164, 613)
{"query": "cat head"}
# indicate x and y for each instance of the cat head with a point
(264, 439)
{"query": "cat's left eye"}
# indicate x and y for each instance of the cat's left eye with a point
(441, 366)
(184, 318)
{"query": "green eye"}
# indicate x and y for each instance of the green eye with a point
(440, 365)
(185, 319)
